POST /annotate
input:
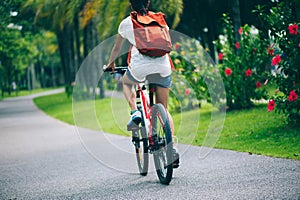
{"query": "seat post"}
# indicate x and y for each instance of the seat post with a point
(152, 89)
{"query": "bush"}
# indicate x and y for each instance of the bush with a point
(282, 24)
(243, 65)
(194, 70)
(190, 61)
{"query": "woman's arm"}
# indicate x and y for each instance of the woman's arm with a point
(115, 51)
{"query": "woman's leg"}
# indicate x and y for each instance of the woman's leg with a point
(130, 95)
(162, 95)
(129, 92)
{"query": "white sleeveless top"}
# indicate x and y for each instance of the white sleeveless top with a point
(141, 65)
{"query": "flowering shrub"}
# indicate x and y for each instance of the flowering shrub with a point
(182, 97)
(243, 65)
(195, 67)
(283, 27)
(191, 87)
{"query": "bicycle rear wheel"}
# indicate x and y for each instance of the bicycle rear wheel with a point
(163, 145)
(140, 142)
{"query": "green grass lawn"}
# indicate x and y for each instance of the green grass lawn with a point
(254, 131)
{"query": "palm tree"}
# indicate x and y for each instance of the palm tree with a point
(92, 20)
(51, 15)
(172, 8)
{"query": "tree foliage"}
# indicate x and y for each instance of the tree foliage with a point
(80, 25)
(16, 49)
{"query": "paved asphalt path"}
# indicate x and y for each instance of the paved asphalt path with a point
(42, 158)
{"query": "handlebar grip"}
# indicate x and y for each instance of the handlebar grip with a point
(120, 69)
(106, 69)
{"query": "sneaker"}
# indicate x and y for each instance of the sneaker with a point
(176, 159)
(135, 119)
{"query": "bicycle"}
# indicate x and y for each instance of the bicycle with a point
(153, 135)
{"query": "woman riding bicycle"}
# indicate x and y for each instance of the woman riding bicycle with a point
(156, 70)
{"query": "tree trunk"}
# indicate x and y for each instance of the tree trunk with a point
(298, 9)
(53, 77)
(91, 40)
(212, 31)
(66, 49)
(61, 46)
(71, 55)
(70, 62)
(97, 62)
(9, 75)
(42, 73)
(77, 42)
(86, 48)
(33, 77)
(236, 18)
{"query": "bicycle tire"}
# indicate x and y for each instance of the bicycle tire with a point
(162, 138)
(141, 150)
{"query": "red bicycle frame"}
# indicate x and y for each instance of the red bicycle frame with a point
(145, 101)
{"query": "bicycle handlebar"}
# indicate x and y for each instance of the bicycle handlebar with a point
(120, 69)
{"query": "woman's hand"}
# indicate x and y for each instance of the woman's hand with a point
(112, 66)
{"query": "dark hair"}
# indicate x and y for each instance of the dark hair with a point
(140, 6)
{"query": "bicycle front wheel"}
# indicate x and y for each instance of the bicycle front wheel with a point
(163, 145)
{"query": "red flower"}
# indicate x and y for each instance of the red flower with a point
(228, 71)
(177, 46)
(248, 72)
(237, 45)
(271, 105)
(187, 91)
(271, 51)
(240, 31)
(293, 29)
(221, 55)
(258, 84)
(293, 96)
(276, 60)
